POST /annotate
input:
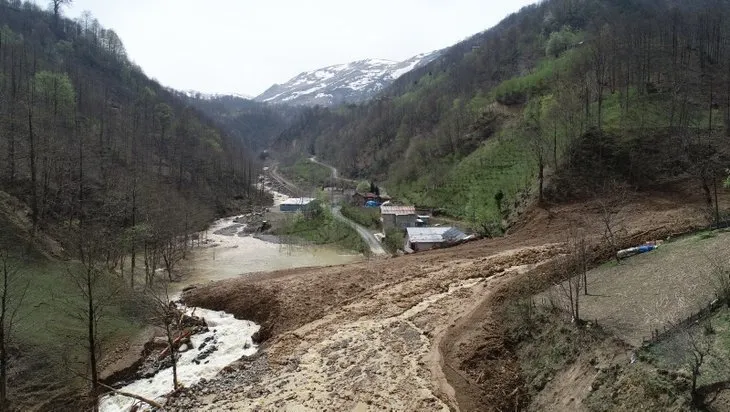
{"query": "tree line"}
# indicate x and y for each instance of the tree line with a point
(121, 171)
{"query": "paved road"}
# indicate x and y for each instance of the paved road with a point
(375, 247)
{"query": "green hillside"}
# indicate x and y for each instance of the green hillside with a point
(641, 88)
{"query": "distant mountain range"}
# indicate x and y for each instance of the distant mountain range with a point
(212, 96)
(343, 83)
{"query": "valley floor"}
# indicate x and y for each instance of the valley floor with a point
(408, 333)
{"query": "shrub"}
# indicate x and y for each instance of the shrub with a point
(368, 217)
(394, 240)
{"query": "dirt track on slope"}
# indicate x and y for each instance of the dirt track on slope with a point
(419, 332)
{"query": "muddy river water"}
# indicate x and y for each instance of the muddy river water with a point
(229, 254)
(226, 252)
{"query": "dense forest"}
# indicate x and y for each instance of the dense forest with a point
(105, 176)
(254, 123)
(82, 127)
(554, 102)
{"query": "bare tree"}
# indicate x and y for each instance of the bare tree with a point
(574, 265)
(56, 6)
(697, 343)
(172, 253)
(96, 292)
(12, 293)
(166, 314)
(537, 141)
(610, 202)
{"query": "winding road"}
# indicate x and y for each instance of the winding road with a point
(335, 173)
(375, 246)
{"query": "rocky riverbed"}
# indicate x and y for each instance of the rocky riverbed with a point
(241, 378)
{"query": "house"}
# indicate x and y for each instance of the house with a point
(399, 217)
(425, 238)
(296, 204)
(360, 199)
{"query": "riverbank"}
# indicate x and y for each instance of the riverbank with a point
(232, 247)
(418, 332)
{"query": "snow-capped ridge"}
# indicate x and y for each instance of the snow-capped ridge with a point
(352, 82)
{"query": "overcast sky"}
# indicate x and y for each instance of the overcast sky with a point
(245, 46)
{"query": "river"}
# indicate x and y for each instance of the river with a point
(225, 254)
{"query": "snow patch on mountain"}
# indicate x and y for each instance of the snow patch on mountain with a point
(342, 83)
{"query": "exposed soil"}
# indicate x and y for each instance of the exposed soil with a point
(419, 332)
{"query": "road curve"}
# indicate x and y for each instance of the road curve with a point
(335, 173)
(375, 247)
(283, 183)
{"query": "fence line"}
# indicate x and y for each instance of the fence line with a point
(705, 312)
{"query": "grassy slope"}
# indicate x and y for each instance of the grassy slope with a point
(628, 300)
(305, 173)
(504, 162)
(653, 290)
(49, 334)
(322, 229)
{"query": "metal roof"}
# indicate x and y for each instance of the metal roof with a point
(300, 201)
(397, 210)
(434, 234)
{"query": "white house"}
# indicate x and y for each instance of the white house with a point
(425, 238)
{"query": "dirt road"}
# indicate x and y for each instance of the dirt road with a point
(408, 333)
(376, 248)
(282, 184)
(335, 173)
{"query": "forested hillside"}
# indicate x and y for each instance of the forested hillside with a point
(570, 93)
(86, 135)
(254, 123)
(104, 178)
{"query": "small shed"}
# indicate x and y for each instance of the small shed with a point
(296, 204)
(400, 217)
(425, 238)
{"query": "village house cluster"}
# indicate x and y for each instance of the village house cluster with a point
(419, 234)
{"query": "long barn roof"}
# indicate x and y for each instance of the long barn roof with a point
(434, 234)
(397, 210)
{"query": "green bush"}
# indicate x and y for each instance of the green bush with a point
(394, 240)
(560, 41)
(365, 216)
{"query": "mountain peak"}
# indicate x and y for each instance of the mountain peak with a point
(352, 82)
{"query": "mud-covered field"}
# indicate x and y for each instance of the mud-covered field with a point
(420, 332)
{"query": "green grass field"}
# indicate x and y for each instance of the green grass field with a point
(307, 174)
(321, 228)
(51, 320)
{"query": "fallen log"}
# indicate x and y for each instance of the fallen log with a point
(149, 402)
(175, 343)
